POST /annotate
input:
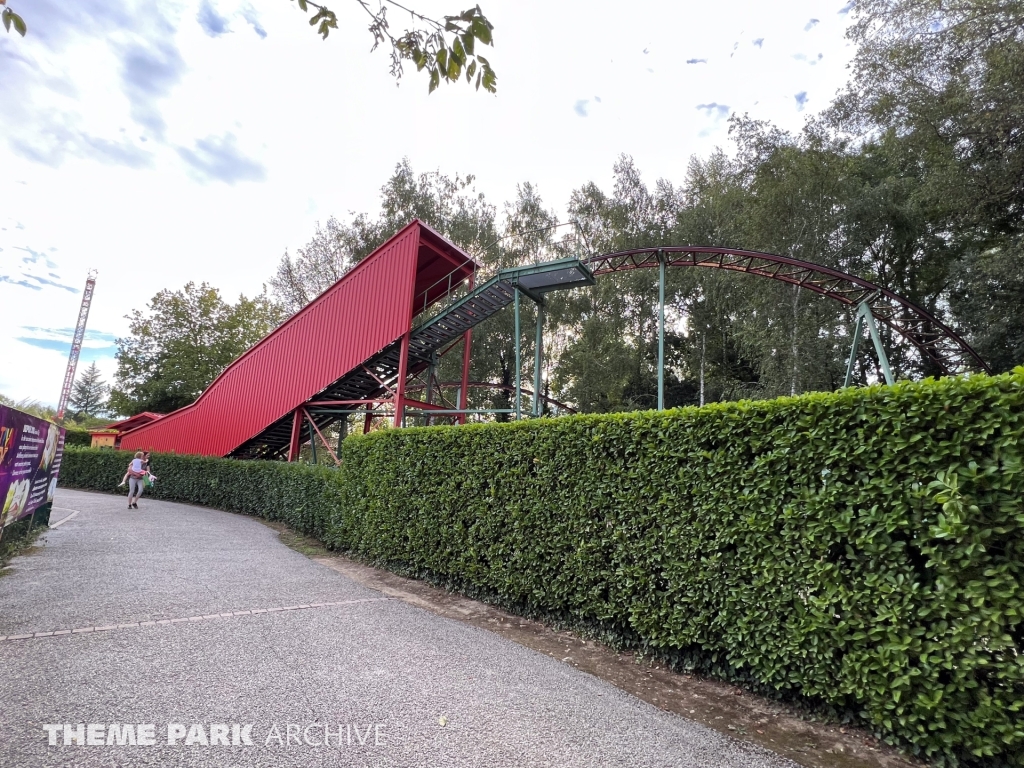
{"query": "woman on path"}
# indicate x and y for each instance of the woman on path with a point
(136, 475)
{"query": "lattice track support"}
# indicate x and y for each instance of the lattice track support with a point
(76, 344)
(866, 317)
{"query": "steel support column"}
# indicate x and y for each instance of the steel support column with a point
(858, 329)
(519, 364)
(403, 371)
(312, 438)
(883, 358)
(431, 371)
(296, 438)
(661, 330)
(463, 400)
(866, 317)
(342, 432)
(313, 428)
(538, 353)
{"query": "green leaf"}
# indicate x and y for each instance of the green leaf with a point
(481, 30)
(19, 24)
(303, 6)
(7, 18)
(490, 80)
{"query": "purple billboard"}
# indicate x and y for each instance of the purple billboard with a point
(30, 454)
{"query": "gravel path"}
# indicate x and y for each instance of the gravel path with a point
(193, 617)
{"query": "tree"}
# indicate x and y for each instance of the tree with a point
(184, 340)
(449, 205)
(948, 76)
(442, 49)
(941, 85)
(987, 294)
(89, 395)
(324, 260)
(28, 405)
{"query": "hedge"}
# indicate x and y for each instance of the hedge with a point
(862, 550)
(303, 497)
(81, 438)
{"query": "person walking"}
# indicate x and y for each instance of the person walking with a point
(136, 475)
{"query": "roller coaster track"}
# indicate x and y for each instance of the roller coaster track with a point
(936, 342)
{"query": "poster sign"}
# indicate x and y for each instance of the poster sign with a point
(30, 452)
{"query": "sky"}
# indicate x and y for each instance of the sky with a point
(167, 141)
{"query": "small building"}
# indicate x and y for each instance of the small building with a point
(110, 435)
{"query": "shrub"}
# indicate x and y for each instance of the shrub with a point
(80, 438)
(861, 549)
(301, 496)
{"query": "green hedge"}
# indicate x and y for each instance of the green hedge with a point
(304, 497)
(863, 549)
(80, 438)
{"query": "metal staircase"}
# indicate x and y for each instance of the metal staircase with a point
(451, 318)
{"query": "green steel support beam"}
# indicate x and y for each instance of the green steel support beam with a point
(312, 440)
(430, 375)
(661, 331)
(883, 359)
(519, 364)
(342, 432)
(858, 329)
(538, 353)
(866, 317)
(430, 380)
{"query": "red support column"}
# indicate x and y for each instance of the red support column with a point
(468, 340)
(403, 371)
(368, 420)
(296, 441)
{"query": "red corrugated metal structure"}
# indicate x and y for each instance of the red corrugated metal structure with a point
(347, 344)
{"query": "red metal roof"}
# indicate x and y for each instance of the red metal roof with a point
(368, 309)
(138, 420)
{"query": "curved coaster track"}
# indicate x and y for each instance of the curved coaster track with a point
(938, 344)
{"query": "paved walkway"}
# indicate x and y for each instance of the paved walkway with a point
(182, 616)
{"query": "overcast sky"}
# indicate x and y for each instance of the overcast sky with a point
(164, 141)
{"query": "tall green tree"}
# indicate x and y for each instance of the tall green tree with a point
(183, 340)
(89, 394)
(940, 84)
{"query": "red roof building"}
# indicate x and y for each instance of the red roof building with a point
(110, 435)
